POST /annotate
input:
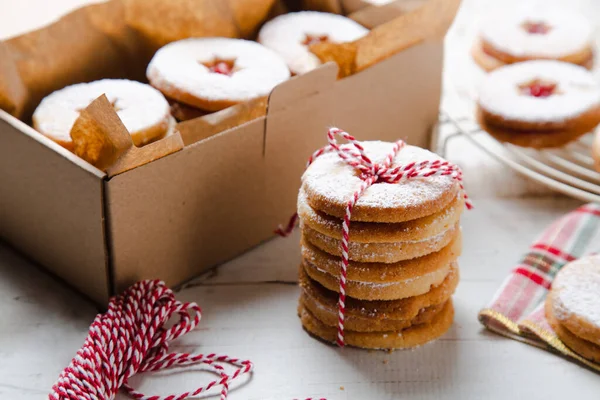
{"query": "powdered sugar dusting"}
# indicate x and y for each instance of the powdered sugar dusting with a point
(330, 177)
(375, 252)
(139, 106)
(178, 67)
(411, 227)
(576, 92)
(286, 33)
(577, 287)
(568, 32)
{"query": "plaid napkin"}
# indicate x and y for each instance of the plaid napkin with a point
(517, 309)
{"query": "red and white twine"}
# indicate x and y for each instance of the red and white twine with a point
(370, 173)
(130, 338)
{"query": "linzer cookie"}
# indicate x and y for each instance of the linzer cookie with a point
(573, 306)
(380, 242)
(215, 73)
(539, 103)
(143, 110)
(291, 35)
(533, 34)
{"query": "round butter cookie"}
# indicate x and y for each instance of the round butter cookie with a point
(380, 290)
(329, 182)
(381, 252)
(215, 73)
(540, 33)
(378, 281)
(290, 35)
(406, 338)
(584, 348)
(143, 110)
(575, 298)
(539, 103)
(366, 232)
(373, 316)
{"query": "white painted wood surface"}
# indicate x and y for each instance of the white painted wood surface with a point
(250, 305)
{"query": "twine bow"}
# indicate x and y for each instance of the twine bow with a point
(370, 173)
(130, 338)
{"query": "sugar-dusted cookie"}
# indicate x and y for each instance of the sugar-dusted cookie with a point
(373, 316)
(382, 272)
(290, 35)
(382, 252)
(143, 110)
(575, 298)
(215, 73)
(377, 281)
(393, 290)
(539, 103)
(584, 348)
(329, 183)
(401, 339)
(366, 232)
(535, 33)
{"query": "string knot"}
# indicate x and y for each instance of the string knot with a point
(353, 154)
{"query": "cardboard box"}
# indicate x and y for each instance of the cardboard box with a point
(219, 195)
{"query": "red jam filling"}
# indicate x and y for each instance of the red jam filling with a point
(223, 67)
(538, 88)
(536, 28)
(312, 39)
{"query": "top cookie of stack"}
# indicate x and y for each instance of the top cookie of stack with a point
(404, 243)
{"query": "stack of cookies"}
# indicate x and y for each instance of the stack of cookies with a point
(404, 243)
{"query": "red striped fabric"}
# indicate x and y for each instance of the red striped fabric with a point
(535, 277)
(516, 310)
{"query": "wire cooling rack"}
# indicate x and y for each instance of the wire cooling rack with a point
(569, 170)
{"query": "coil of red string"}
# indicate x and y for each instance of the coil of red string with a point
(131, 338)
(354, 155)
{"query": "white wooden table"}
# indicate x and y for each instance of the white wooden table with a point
(250, 307)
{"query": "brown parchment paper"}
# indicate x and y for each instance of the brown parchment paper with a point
(372, 16)
(73, 49)
(100, 138)
(115, 39)
(332, 6)
(161, 22)
(392, 31)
